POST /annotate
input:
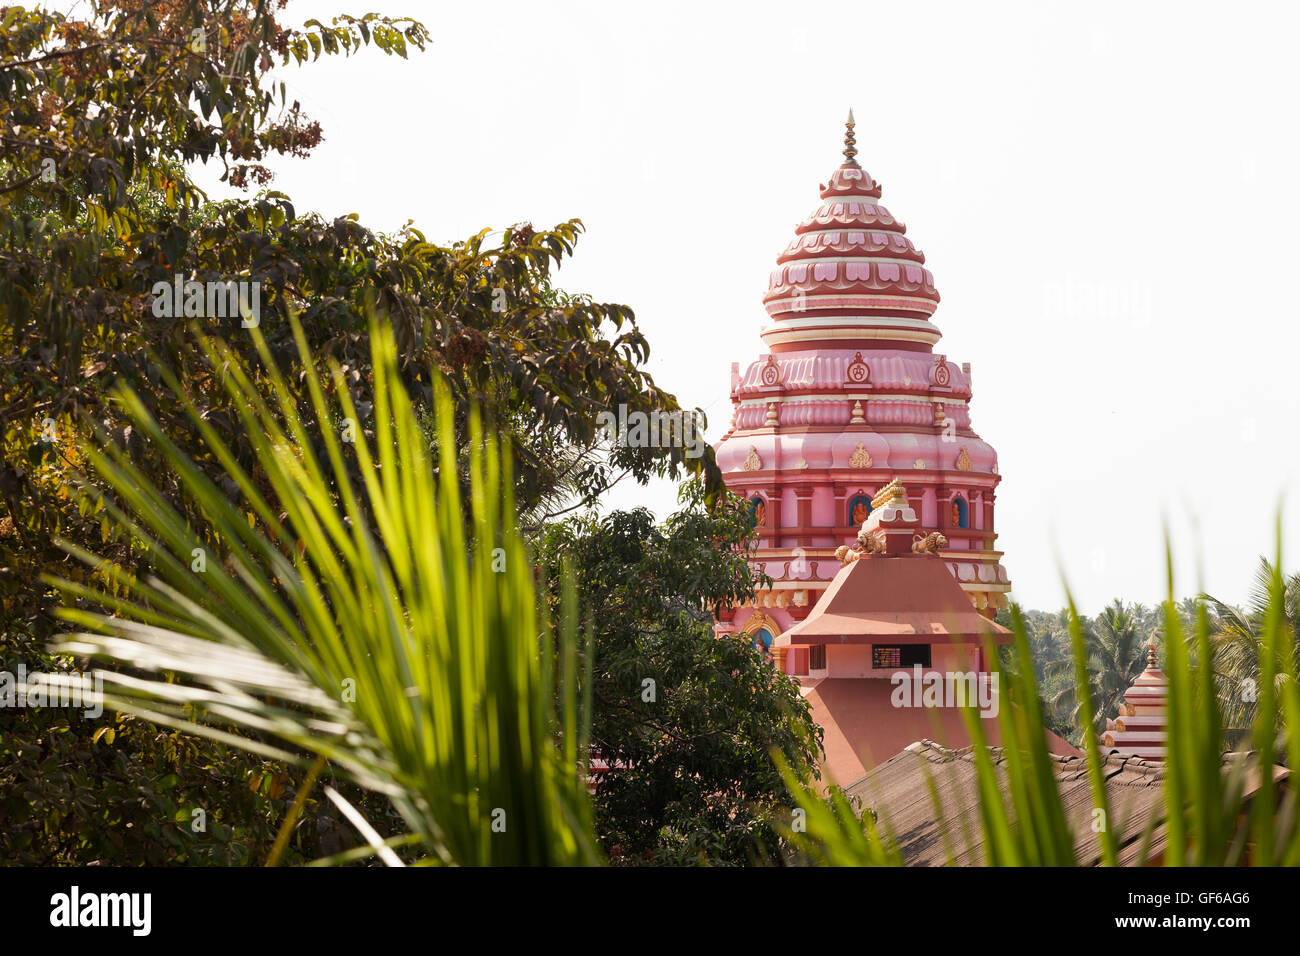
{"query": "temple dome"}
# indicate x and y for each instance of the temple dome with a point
(851, 276)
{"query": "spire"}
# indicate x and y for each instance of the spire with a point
(850, 147)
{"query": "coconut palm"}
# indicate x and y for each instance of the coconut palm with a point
(1237, 642)
(1115, 645)
(365, 622)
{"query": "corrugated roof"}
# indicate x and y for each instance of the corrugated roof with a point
(899, 792)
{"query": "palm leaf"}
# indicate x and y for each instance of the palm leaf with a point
(352, 612)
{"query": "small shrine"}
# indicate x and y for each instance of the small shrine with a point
(1141, 729)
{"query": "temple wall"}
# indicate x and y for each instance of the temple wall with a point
(929, 509)
(823, 507)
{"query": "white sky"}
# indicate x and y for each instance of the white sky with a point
(1106, 193)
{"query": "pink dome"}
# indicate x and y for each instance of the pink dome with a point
(851, 273)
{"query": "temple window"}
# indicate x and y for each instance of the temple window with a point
(817, 657)
(859, 508)
(886, 656)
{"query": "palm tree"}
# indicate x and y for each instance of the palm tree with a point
(1236, 642)
(1115, 644)
(382, 624)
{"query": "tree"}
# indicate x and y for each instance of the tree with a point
(1116, 656)
(686, 721)
(372, 630)
(117, 104)
(1237, 646)
(98, 117)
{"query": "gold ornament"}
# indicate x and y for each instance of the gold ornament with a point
(894, 491)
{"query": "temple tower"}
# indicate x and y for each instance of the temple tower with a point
(850, 393)
(1141, 728)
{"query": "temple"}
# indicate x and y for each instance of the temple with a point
(872, 495)
(1140, 728)
(873, 499)
(850, 394)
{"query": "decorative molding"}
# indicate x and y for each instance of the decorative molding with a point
(752, 462)
(963, 460)
(861, 458)
(771, 374)
(757, 621)
(773, 417)
(942, 377)
(857, 418)
(918, 464)
(859, 372)
(894, 491)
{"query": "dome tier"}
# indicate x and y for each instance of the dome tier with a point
(851, 277)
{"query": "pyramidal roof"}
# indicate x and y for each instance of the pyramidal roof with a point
(898, 598)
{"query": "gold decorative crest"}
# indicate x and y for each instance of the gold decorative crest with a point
(751, 460)
(963, 460)
(861, 458)
(894, 491)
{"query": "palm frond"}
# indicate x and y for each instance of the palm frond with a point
(353, 612)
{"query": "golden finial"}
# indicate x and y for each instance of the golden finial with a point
(850, 147)
(1152, 646)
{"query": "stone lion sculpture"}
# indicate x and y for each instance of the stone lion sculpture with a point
(932, 543)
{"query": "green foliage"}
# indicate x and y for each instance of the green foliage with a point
(1116, 646)
(1116, 652)
(130, 792)
(117, 103)
(688, 722)
(403, 651)
(1237, 643)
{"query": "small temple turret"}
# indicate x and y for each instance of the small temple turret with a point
(1140, 728)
